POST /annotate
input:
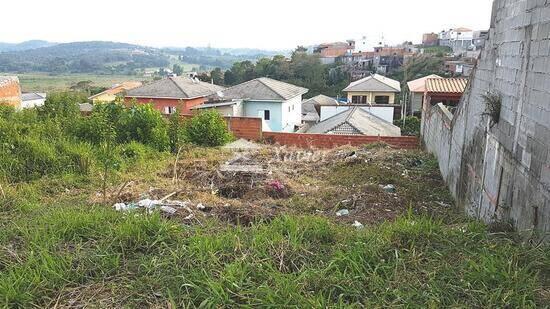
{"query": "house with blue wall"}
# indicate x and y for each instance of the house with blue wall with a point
(279, 104)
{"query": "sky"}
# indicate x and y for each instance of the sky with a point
(275, 24)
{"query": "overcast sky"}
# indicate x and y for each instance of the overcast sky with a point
(275, 24)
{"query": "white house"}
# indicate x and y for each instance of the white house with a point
(33, 99)
(279, 104)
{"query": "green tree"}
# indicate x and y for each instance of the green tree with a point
(207, 128)
(177, 69)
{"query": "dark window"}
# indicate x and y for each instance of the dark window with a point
(382, 99)
(266, 114)
(355, 99)
(364, 99)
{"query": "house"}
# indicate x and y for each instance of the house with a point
(311, 108)
(276, 102)
(417, 88)
(373, 89)
(111, 94)
(458, 39)
(173, 93)
(355, 121)
(33, 99)
(329, 52)
(430, 39)
(10, 91)
(229, 108)
(444, 90)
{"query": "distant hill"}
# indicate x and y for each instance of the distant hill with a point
(83, 57)
(103, 57)
(32, 44)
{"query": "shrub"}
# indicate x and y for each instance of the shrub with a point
(62, 104)
(6, 111)
(207, 128)
(144, 124)
(493, 104)
(410, 127)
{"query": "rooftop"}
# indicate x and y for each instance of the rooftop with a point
(116, 89)
(264, 88)
(419, 85)
(357, 121)
(175, 88)
(32, 96)
(446, 85)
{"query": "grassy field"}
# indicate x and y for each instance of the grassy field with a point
(61, 247)
(45, 82)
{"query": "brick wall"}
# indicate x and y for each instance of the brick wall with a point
(306, 140)
(10, 91)
(251, 128)
(242, 127)
(501, 173)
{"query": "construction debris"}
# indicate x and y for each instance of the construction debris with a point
(358, 225)
(389, 188)
(342, 212)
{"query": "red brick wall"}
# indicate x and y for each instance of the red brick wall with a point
(242, 127)
(251, 128)
(10, 93)
(330, 140)
(183, 105)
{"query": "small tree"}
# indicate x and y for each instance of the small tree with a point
(207, 128)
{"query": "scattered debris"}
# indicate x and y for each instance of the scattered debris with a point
(389, 188)
(358, 225)
(168, 210)
(242, 145)
(342, 212)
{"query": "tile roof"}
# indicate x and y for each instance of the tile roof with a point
(446, 85)
(116, 89)
(356, 121)
(264, 88)
(175, 88)
(419, 85)
(373, 83)
(321, 100)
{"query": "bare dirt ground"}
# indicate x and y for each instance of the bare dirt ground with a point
(368, 185)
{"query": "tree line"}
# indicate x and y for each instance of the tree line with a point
(301, 69)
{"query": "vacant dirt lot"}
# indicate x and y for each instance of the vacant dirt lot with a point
(367, 185)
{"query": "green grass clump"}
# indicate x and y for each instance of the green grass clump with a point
(290, 261)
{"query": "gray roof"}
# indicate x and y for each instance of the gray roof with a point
(356, 121)
(175, 88)
(321, 100)
(264, 88)
(32, 96)
(375, 83)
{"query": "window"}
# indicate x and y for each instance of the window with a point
(382, 99)
(289, 109)
(266, 114)
(355, 99)
(364, 99)
(169, 109)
